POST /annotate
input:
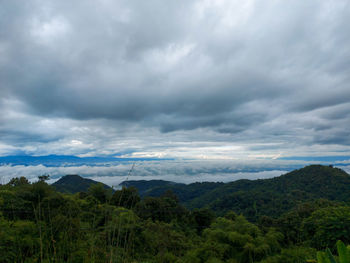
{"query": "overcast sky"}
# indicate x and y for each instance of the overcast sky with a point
(209, 79)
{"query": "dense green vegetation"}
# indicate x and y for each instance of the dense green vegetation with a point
(328, 257)
(256, 198)
(40, 224)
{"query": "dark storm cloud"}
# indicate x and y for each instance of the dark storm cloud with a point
(258, 71)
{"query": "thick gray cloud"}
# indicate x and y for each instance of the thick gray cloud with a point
(211, 79)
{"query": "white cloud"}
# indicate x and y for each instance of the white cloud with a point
(184, 171)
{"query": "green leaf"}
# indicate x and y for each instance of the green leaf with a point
(321, 257)
(344, 256)
(330, 256)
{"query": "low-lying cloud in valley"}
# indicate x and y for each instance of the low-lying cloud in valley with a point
(181, 171)
(178, 171)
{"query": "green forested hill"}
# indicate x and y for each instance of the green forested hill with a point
(271, 196)
(145, 187)
(184, 192)
(255, 198)
(73, 183)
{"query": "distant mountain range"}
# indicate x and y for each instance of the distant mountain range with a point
(250, 197)
(64, 160)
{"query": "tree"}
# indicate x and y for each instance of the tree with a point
(18, 181)
(236, 241)
(99, 192)
(327, 225)
(202, 219)
(327, 257)
(163, 209)
(126, 197)
(44, 177)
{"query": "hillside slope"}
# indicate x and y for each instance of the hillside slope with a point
(271, 196)
(73, 183)
(145, 187)
(268, 197)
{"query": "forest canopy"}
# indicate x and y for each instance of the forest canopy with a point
(40, 224)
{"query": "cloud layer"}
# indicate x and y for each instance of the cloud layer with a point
(184, 171)
(188, 79)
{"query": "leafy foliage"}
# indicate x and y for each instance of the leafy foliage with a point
(327, 257)
(40, 224)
